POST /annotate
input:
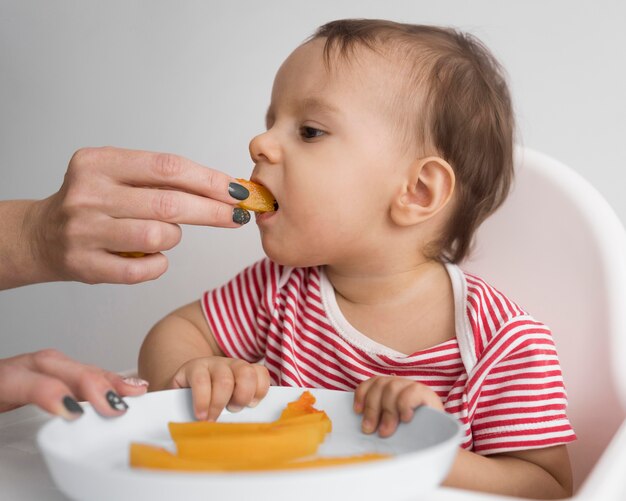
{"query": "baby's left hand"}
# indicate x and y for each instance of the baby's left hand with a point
(384, 401)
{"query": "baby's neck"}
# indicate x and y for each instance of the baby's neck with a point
(382, 285)
(407, 309)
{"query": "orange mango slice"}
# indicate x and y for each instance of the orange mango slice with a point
(300, 407)
(277, 444)
(200, 429)
(260, 199)
(152, 457)
(287, 443)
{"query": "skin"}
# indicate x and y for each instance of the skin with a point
(46, 377)
(331, 142)
(111, 200)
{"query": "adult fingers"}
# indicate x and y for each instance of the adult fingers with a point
(85, 382)
(143, 168)
(21, 385)
(173, 206)
(105, 267)
(148, 237)
(127, 386)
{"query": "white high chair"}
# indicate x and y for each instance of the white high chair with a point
(558, 250)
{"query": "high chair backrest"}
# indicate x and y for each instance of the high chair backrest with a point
(557, 249)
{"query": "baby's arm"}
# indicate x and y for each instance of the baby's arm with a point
(534, 473)
(181, 352)
(544, 473)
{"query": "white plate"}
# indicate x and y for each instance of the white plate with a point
(88, 458)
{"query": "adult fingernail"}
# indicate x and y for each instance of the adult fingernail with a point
(238, 191)
(254, 402)
(115, 401)
(240, 216)
(234, 408)
(135, 381)
(72, 405)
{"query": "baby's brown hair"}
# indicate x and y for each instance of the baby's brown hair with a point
(463, 106)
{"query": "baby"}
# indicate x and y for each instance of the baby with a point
(386, 146)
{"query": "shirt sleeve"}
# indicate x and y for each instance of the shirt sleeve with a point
(239, 313)
(519, 400)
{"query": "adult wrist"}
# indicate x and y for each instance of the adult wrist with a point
(35, 230)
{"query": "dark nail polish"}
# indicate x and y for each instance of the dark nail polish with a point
(72, 405)
(241, 216)
(237, 191)
(115, 401)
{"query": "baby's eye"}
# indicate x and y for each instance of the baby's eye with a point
(310, 132)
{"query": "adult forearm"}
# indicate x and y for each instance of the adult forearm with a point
(504, 475)
(20, 262)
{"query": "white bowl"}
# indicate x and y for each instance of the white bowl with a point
(88, 458)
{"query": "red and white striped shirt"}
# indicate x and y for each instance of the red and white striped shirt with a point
(500, 376)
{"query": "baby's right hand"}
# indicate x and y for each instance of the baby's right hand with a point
(218, 382)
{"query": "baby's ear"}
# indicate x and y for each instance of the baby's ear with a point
(428, 189)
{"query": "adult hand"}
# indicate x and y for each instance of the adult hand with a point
(114, 200)
(55, 383)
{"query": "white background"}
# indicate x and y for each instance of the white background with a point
(194, 78)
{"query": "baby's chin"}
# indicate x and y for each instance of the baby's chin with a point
(283, 256)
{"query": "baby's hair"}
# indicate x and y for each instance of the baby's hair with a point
(459, 105)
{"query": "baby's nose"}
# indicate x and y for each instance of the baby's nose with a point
(265, 148)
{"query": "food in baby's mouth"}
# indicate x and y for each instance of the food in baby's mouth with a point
(260, 199)
(288, 443)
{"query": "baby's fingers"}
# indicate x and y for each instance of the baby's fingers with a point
(372, 407)
(262, 384)
(245, 389)
(360, 393)
(222, 387)
(252, 382)
(198, 378)
(390, 407)
(412, 397)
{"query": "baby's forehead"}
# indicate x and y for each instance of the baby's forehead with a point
(360, 70)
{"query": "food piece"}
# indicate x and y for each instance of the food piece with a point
(300, 407)
(153, 457)
(278, 444)
(206, 429)
(285, 444)
(200, 429)
(260, 199)
(131, 254)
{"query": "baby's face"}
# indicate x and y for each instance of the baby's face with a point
(332, 157)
